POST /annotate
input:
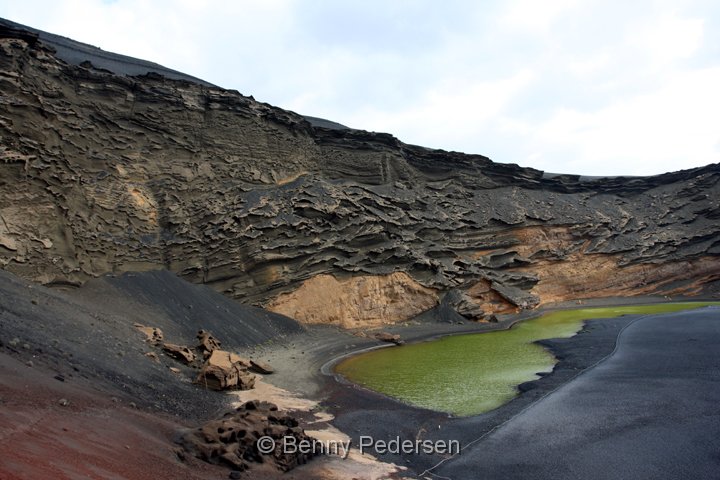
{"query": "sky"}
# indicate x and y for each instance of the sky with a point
(593, 87)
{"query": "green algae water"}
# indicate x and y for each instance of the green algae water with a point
(474, 373)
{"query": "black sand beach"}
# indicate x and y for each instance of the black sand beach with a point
(360, 412)
(649, 411)
(86, 337)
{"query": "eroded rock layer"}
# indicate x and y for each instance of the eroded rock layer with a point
(107, 173)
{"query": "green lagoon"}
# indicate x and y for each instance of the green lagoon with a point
(474, 373)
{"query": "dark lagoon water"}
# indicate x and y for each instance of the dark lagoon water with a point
(474, 373)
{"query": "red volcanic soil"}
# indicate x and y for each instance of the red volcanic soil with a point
(94, 436)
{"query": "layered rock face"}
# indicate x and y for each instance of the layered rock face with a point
(106, 173)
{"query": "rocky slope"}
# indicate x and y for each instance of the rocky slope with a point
(103, 172)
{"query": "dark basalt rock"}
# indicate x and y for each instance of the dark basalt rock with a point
(107, 173)
(463, 304)
(389, 338)
(232, 441)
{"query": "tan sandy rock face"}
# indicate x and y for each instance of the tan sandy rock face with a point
(363, 301)
(602, 276)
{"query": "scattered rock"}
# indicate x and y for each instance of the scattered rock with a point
(389, 337)
(179, 352)
(263, 368)
(59, 378)
(174, 369)
(463, 304)
(516, 295)
(207, 344)
(225, 371)
(63, 402)
(153, 356)
(154, 335)
(233, 440)
(29, 363)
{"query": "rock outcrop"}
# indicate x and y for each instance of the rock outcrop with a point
(261, 367)
(153, 335)
(389, 338)
(218, 369)
(180, 353)
(225, 371)
(207, 343)
(233, 440)
(102, 173)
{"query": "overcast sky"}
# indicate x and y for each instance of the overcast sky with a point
(594, 87)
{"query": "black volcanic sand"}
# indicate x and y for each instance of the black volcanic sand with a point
(667, 419)
(359, 411)
(650, 411)
(88, 333)
(86, 338)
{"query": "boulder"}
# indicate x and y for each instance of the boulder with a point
(207, 343)
(261, 367)
(232, 441)
(226, 371)
(463, 304)
(154, 335)
(179, 352)
(152, 356)
(516, 296)
(389, 337)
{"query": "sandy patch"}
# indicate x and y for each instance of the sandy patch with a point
(284, 399)
(355, 465)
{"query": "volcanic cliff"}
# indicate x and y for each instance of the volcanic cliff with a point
(103, 172)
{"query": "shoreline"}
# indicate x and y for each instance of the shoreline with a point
(358, 411)
(510, 320)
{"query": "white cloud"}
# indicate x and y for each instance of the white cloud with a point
(671, 128)
(587, 66)
(668, 38)
(450, 112)
(534, 16)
